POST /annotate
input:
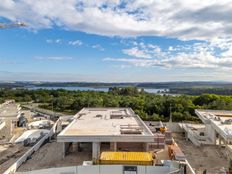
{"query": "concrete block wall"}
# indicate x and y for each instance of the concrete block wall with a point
(130, 146)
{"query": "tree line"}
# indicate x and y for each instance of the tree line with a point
(201, 90)
(153, 107)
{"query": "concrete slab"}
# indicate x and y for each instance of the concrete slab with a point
(106, 124)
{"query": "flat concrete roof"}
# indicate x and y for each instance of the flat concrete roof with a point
(220, 120)
(106, 124)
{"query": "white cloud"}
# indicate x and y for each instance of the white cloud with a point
(55, 58)
(142, 50)
(61, 41)
(58, 41)
(215, 55)
(49, 41)
(55, 41)
(98, 47)
(75, 43)
(193, 19)
(136, 52)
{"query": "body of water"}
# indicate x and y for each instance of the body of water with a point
(77, 88)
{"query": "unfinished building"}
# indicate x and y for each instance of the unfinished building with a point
(106, 129)
(216, 130)
(9, 113)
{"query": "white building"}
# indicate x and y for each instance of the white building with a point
(106, 128)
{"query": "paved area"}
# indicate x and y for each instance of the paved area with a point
(205, 157)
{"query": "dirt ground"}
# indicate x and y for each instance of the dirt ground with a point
(9, 155)
(50, 155)
(205, 157)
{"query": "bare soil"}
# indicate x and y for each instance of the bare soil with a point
(50, 155)
(208, 157)
(11, 154)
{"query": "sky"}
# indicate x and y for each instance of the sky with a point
(116, 40)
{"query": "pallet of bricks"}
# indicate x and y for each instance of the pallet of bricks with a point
(158, 141)
(175, 153)
(168, 138)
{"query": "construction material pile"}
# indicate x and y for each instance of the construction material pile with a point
(175, 153)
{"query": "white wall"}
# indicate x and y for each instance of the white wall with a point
(211, 133)
(100, 169)
(23, 158)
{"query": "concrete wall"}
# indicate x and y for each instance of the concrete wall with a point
(130, 146)
(101, 169)
(22, 159)
(211, 133)
(174, 127)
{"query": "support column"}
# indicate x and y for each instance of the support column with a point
(226, 143)
(63, 149)
(186, 135)
(220, 141)
(11, 128)
(74, 146)
(214, 138)
(95, 150)
(114, 146)
(146, 147)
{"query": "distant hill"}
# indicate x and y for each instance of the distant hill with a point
(158, 85)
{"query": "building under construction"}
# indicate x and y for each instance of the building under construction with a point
(9, 115)
(216, 130)
(106, 129)
(102, 141)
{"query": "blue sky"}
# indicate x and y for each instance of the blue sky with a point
(116, 41)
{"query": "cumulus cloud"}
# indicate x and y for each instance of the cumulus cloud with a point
(193, 19)
(135, 51)
(142, 50)
(208, 22)
(200, 55)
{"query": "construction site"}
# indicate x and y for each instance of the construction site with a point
(20, 130)
(95, 140)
